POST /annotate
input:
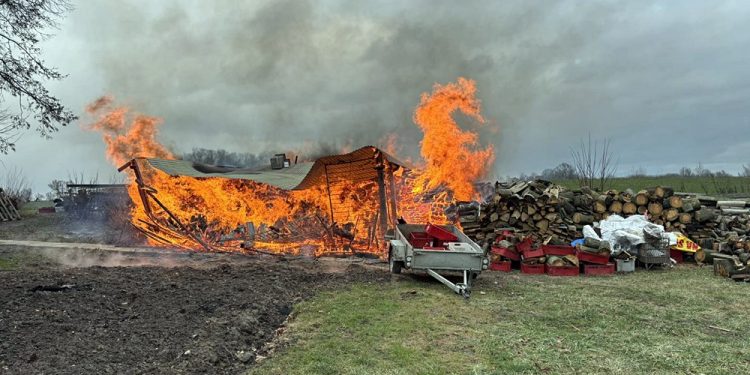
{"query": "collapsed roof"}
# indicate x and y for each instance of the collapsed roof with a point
(357, 165)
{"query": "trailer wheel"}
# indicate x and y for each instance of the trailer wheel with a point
(393, 265)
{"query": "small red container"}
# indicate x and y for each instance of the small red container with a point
(505, 252)
(504, 266)
(533, 269)
(504, 235)
(420, 239)
(533, 253)
(677, 255)
(592, 258)
(440, 233)
(561, 271)
(599, 269)
(525, 245)
(558, 250)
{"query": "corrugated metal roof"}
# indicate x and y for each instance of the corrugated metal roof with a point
(287, 178)
(361, 162)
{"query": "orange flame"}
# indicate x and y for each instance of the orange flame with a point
(453, 156)
(216, 210)
(126, 136)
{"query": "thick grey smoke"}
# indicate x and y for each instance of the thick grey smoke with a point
(667, 81)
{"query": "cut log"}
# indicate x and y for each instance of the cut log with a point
(655, 209)
(735, 211)
(615, 207)
(675, 202)
(542, 225)
(724, 267)
(627, 196)
(580, 218)
(662, 192)
(592, 242)
(642, 210)
(556, 261)
(642, 198)
(670, 215)
(686, 218)
(708, 256)
(731, 204)
(704, 214)
(629, 208)
(690, 204)
(707, 201)
(601, 203)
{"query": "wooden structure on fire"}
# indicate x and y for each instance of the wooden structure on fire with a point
(335, 174)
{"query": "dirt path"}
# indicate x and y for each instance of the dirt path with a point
(202, 314)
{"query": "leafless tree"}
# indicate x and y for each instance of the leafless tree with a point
(16, 186)
(638, 172)
(593, 162)
(745, 171)
(25, 100)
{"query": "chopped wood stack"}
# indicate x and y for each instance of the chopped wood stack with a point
(558, 216)
(8, 211)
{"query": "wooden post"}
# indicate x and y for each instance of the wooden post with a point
(394, 195)
(380, 168)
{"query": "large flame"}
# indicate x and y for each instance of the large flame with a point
(126, 136)
(453, 156)
(215, 211)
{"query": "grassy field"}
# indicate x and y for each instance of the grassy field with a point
(657, 322)
(30, 208)
(721, 186)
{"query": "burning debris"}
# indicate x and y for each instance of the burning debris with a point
(339, 204)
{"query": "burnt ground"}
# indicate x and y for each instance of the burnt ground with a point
(164, 312)
(60, 227)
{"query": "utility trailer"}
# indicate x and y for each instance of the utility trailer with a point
(437, 249)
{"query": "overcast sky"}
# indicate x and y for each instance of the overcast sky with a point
(668, 81)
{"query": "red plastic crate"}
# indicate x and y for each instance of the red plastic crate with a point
(533, 253)
(440, 233)
(420, 239)
(561, 271)
(592, 258)
(599, 269)
(677, 255)
(504, 266)
(504, 235)
(534, 269)
(506, 252)
(525, 245)
(558, 250)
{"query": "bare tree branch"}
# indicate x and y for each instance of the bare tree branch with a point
(594, 165)
(23, 25)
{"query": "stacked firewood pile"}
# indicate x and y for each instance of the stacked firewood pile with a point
(558, 215)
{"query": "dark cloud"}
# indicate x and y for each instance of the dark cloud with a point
(667, 81)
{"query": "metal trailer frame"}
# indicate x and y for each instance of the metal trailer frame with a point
(465, 257)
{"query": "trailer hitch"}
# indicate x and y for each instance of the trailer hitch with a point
(462, 289)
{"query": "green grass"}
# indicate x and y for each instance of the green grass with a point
(31, 208)
(647, 322)
(722, 186)
(8, 264)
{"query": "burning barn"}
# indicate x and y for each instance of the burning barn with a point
(340, 204)
(335, 204)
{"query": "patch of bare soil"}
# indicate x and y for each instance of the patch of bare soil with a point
(60, 227)
(152, 319)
